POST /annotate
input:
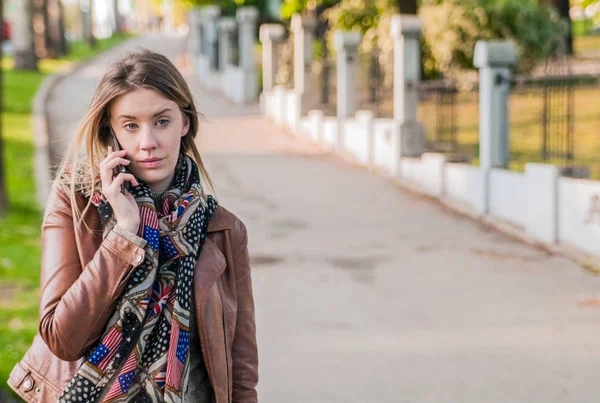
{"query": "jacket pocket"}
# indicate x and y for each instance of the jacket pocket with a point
(30, 385)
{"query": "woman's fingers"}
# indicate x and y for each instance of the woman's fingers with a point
(122, 177)
(106, 166)
(116, 162)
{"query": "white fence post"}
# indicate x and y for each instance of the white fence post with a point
(269, 35)
(209, 24)
(226, 26)
(246, 17)
(406, 31)
(346, 47)
(494, 60)
(194, 36)
(303, 28)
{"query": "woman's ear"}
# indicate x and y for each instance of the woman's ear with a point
(186, 124)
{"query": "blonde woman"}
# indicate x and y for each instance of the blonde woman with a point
(146, 293)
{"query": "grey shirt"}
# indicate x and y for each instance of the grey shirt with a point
(199, 387)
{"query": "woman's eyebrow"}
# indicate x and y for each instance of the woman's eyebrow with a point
(155, 115)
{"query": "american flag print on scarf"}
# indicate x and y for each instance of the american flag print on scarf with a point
(143, 353)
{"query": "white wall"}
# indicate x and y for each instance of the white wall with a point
(292, 108)
(464, 184)
(312, 125)
(233, 82)
(202, 68)
(427, 172)
(386, 145)
(330, 131)
(578, 220)
(507, 196)
(356, 139)
(542, 201)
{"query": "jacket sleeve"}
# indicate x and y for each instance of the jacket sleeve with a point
(244, 349)
(76, 302)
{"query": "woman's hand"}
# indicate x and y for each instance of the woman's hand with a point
(125, 209)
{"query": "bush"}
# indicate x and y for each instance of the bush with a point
(451, 28)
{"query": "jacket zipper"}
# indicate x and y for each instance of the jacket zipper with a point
(225, 338)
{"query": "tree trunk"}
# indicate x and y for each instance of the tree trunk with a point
(117, 17)
(22, 36)
(57, 45)
(87, 20)
(563, 10)
(40, 28)
(3, 198)
(407, 6)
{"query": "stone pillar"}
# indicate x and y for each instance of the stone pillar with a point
(210, 14)
(303, 28)
(270, 34)
(406, 31)
(194, 35)
(346, 47)
(246, 18)
(494, 60)
(226, 27)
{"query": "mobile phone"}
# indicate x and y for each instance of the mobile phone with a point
(120, 168)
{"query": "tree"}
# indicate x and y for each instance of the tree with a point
(563, 7)
(22, 36)
(3, 198)
(56, 43)
(87, 7)
(407, 6)
(117, 17)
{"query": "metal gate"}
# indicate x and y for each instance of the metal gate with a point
(557, 113)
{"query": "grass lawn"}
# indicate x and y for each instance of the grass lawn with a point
(586, 44)
(20, 229)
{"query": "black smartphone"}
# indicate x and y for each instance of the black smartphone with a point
(125, 186)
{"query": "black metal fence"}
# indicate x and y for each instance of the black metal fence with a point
(554, 118)
(323, 73)
(450, 117)
(375, 84)
(235, 46)
(284, 56)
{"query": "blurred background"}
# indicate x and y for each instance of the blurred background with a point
(445, 283)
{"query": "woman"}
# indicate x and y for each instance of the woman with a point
(146, 293)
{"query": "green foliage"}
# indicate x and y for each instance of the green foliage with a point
(291, 7)
(228, 7)
(360, 15)
(451, 28)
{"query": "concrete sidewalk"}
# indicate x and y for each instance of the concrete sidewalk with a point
(367, 293)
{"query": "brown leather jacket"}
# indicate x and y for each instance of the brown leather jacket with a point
(83, 275)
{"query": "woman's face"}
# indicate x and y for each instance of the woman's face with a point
(149, 127)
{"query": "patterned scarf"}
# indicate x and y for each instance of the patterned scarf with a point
(142, 355)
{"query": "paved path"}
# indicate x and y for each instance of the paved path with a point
(367, 293)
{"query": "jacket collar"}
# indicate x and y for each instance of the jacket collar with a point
(220, 221)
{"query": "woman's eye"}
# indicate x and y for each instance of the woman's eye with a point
(163, 122)
(131, 126)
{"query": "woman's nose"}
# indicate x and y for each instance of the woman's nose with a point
(148, 139)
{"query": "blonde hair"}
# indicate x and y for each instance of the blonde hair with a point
(135, 69)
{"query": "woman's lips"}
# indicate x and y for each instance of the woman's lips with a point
(151, 164)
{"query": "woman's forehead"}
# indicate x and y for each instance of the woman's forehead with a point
(142, 102)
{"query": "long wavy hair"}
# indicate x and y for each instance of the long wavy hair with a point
(143, 68)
